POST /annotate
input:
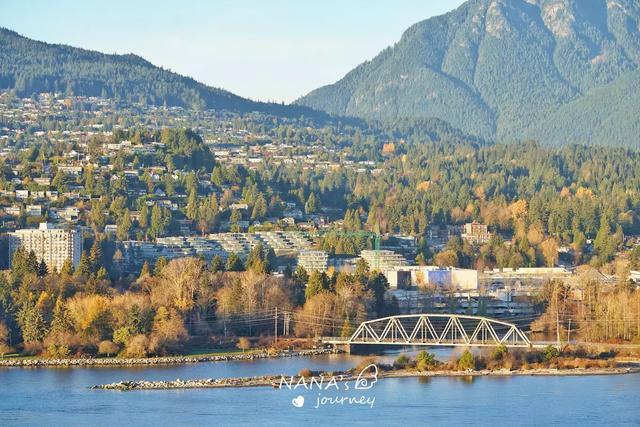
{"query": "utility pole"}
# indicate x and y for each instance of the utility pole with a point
(287, 321)
(569, 333)
(275, 326)
(224, 323)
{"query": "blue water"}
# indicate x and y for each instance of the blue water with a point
(62, 397)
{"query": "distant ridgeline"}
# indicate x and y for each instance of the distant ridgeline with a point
(30, 66)
(556, 71)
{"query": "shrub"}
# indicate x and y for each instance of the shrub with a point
(136, 347)
(305, 373)
(58, 351)
(108, 348)
(32, 348)
(402, 362)
(466, 361)
(366, 362)
(121, 336)
(550, 353)
(499, 353)
(5, 349)
(425, 361)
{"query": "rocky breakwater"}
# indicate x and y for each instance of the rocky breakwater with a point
(194, 383)
(152, 361)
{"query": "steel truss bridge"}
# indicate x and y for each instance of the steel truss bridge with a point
(437, 330)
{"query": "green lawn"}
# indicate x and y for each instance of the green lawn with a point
(217, 352)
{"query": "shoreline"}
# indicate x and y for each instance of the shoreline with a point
(275, 380)
(155, 361)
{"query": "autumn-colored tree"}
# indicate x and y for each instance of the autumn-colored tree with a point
(179, 283)
(549, 249)
(91, 316)
(243, 344)
(447, 258)
(108, 348)
(312, 317)
(168, 332)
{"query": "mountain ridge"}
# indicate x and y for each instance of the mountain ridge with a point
(28, 66)
(498, 69)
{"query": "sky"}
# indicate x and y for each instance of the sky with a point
(268, 50)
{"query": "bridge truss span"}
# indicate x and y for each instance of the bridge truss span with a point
(440, 330)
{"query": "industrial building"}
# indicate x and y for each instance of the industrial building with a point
(455, 279)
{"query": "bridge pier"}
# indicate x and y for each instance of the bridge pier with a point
(366, 349)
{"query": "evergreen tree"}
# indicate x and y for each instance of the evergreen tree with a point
(192, 206)
(124, 226)
(95, 255)
(101, 274)
(84, 267)
(159, 221)
(270, 260)
(32, 263)
(255, 260)
(161, 263)
(32, 324)
(259, 208)
(42, 269)
(300, 276)
(61, 319)
(311, 206)
(217, 264)
(143, 220)
(234, 263)
(67, 268)
(378, 284)
(318, 282)
(18, 265)
(145, 271)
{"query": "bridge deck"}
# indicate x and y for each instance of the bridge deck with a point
(341, 341)
(437, 330)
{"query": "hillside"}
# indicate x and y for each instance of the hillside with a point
(30, 66)
(507, 69)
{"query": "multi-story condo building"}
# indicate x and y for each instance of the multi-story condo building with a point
(53, 245)
(476, 233)
(313, 260)
(383, 260)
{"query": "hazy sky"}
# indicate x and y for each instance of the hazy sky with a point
(262, 49)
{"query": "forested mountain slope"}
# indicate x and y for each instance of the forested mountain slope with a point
(30, 66)
(505, 70)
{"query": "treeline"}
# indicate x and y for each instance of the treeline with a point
(600, 314)
(83, 312)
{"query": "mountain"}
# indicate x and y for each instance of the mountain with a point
(30, 66)
(560, 71)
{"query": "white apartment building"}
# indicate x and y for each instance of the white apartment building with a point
(53, 245)
(313, 260)
(383, 260)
